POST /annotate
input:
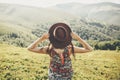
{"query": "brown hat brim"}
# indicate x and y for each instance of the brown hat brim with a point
(57, 43)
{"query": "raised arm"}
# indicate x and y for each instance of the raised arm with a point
(34, 46)
(86, 47)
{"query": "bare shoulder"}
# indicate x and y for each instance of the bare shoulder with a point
(43, 49)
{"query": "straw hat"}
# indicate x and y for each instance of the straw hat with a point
(60, 35)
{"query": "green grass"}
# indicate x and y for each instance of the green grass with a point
(19, 64)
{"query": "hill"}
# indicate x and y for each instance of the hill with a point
(29, 16)
(21, 25)
(106, 11)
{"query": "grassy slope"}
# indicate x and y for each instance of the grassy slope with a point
(18, 63)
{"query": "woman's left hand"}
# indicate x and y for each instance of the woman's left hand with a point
(45, 36)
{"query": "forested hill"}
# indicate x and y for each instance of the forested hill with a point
(105, 11)
(20, 25)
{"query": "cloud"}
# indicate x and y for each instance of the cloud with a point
(114, 1)
(45, 3)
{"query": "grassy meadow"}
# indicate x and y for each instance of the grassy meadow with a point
(19, 64)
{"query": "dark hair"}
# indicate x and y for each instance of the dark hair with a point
(58, 40)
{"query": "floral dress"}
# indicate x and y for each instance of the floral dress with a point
(60, 66)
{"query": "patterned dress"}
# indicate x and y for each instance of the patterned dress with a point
(60, 66)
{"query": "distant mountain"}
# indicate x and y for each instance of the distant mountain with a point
(18, 23)
(21, 25)
(29, 16)
(106, 11)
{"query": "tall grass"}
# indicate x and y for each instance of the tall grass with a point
(19, 64)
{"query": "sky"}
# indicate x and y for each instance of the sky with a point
(47, 3)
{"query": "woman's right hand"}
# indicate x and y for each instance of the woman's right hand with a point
(86, 47)
(75, 36)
